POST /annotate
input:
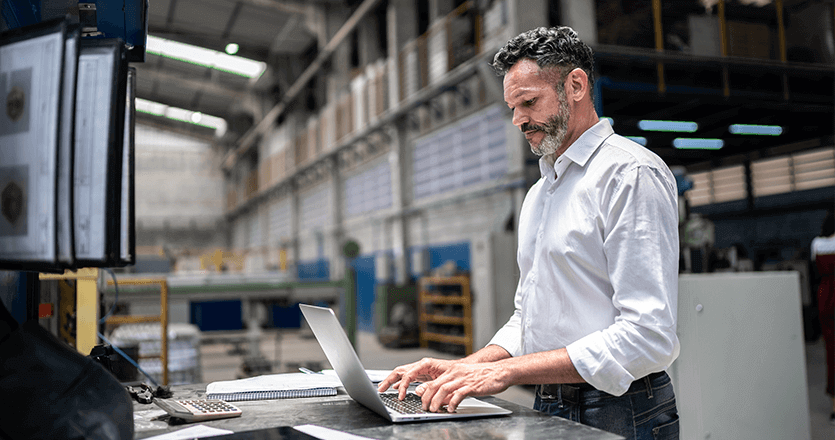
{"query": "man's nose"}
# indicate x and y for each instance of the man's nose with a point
(519, 118)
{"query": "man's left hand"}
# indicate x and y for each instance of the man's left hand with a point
(462, 380)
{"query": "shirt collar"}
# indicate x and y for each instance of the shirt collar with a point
(581, 150)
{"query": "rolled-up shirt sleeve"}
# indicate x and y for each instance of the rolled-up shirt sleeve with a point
(509, 336)
(641, 249)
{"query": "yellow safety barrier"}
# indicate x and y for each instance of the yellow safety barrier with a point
(88, 305)
(162, 318)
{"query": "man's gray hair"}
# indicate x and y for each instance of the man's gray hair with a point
(558, 47)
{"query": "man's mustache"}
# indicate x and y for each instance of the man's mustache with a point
(526, 127)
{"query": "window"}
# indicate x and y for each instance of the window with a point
(255, 230)
(795, 172)
(314, 209)
(281, 227)
(815, 169)
(368, 191)
(717, 186)
(771, 176)
(469, 152)
(776, 175)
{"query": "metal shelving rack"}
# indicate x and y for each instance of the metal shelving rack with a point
(446, 291)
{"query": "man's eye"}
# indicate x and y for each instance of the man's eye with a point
(530, 102)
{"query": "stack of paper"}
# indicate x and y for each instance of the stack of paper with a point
(274, 386)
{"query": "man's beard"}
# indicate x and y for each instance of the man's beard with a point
(555, 129)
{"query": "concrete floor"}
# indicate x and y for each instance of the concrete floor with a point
(286, 350)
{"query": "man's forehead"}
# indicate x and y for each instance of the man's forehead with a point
(522, 78)
(524, 67)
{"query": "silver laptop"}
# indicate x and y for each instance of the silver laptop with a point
(348, 367)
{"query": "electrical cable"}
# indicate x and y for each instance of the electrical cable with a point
(104, 319)
(128, 358)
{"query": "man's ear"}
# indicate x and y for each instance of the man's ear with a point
(576, 84)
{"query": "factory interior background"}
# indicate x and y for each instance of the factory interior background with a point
(359, 154)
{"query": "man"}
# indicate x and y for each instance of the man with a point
(595, 314)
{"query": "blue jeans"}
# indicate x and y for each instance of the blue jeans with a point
(647, 411)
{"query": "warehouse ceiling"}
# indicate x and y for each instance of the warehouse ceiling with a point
(288, 36)
(291, 37)
(797, 99)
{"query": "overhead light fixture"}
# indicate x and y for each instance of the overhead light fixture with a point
(673, 126)
(179, 114)
(205, 57)
(761, 130)
(150, 107)
(638, 140)
(232, 48)
(698, 144)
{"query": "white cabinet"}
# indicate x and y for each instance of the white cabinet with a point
(741, 373)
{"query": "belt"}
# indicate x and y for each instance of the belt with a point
(571, 393)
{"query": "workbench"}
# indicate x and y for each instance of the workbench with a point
(342, 413)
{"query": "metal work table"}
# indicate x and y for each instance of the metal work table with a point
(340, 412)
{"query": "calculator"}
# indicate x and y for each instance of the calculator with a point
(198, 410)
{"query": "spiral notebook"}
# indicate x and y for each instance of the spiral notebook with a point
(274, 386)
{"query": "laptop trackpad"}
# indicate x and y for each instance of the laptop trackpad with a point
(469, 406)
(474, 406)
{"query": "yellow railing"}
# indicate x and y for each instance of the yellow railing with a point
(162, 318)
(87, 306)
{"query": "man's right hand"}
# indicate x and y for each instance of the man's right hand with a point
(423, 370)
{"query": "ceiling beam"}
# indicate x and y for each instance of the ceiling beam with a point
(207, 40)
(251, 50)
(230, 22)
(281, 6)
(169, 19)
(201, 84)
(672, 111)
(289, 26)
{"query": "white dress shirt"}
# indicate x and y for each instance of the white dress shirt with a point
(598, 260)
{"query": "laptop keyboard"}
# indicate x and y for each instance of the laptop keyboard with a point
(410, 405)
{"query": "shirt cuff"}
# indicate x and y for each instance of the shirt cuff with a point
(509, 339)
(596, 365)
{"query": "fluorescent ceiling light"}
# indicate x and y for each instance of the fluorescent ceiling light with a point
(205, 57)
(674, 126)
(150, 107)
(179, 114)
(638, 139)
(763, 130)
(232, 48)
(698, 144)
